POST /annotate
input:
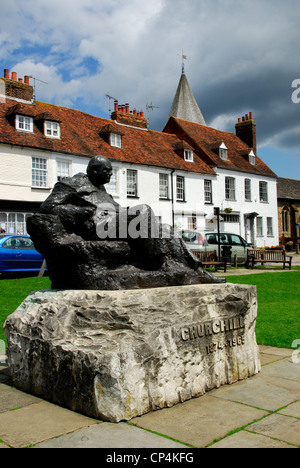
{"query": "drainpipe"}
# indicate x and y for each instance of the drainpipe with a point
(172, 195)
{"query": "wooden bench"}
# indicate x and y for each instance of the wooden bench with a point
(268, 256)
(209, 258)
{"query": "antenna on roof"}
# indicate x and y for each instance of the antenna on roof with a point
(183, 57)
(150, 107)
(110, 98)
(34, 80)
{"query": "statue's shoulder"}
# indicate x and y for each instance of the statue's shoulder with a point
(76, 182)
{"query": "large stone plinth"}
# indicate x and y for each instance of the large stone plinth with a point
(115, 355)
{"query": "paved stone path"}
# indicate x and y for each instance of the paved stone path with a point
(263, 411)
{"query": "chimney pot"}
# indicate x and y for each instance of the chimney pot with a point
(239, 120)
(20, 80)
(142, 114)
(14, 76)
(116, 106)
(6, 73)
(247, 117)
(134, 111)
(243, 119)
(26, 79)
(250, 116)
(127, 108)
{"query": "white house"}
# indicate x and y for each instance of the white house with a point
(183, 173)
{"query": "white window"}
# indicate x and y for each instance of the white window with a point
(132, 183)
(116, 140)
(270, 227)
(252, 158)
(112, 187)
(23, 123)
(180, 191)
(52, 129)
(223, 152)
(207, 191)
(247, 190)
(39, 173)
(263, 192)
(62, 169)
(259, 226)
(229, 188)
(163, 186)
(188, 155)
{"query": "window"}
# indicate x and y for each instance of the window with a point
(207, 191)
(116, 140)
(63, 170)
(19, 243)
(164, 186)
(270, 227)
(39, 173)
(52, 129)
(23, 123)
(236, 240)
(247, 190)
(263, 192)
(112, 187)
(223, 152)
(231, 218)
(188, 155)
(285, 220)
(180, 192)
(192, 223)
(259, 226)
(14, 223)
(229, 188)
(252, 158)
(132, 183)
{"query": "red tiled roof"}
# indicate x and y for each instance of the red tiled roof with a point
(81, 135)
(206, 139)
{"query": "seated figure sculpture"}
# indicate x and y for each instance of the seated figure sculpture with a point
(90, 242)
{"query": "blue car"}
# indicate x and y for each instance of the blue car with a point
(18, 255)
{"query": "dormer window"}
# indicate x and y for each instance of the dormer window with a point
(52, 129)
(116, 140)
(24, 123)
(251, 158)
(223, 152)
(188, 155)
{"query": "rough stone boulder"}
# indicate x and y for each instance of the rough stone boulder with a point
(114, 355)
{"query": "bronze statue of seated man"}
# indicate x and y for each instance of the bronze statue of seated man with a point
(90, 242)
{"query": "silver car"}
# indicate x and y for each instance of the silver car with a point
(230, 244)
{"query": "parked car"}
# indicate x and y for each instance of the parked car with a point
(18, 254)
(230, 244)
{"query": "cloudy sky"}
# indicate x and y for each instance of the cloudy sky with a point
(241, 57)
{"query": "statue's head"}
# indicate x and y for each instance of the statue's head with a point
(99, 170)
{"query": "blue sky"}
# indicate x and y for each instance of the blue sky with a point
(241, 57)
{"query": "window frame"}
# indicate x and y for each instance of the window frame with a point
(208, 191)
(259, 226)
(134, 183)
(247, 190)
(41, 171)
(26, 121)
(230, 192)
(189, 155)
(51, 124)
(115, 140)
(180, 190)
(164, 191)
(270, 227)
(263, 192)
(59, 178)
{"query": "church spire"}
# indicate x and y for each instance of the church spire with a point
(184, 105)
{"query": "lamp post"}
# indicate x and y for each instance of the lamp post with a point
(217, 214)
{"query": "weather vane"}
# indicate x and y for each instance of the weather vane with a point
(183, 57)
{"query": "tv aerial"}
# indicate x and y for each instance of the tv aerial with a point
(34, 84)
(151, 107)
(110, 98)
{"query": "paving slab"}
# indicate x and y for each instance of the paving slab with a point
(284, 428)
(281, 352)
(39, 422)
(108, 435)
(245, 439)
(286, 369)
(200, 421)
(291, 410)
(11, 398)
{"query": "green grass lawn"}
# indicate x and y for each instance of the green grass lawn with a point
(278, 321)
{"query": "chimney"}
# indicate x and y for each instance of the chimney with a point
(124, 116)
(246, 131)
(16, 89)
